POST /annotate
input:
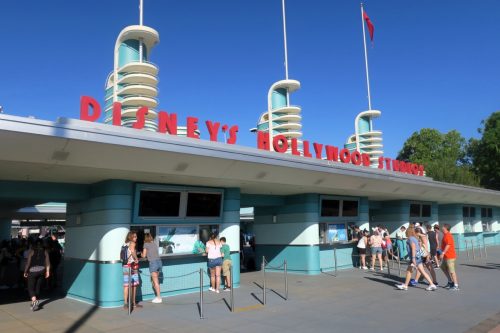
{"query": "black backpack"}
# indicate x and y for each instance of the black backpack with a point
(124, 254)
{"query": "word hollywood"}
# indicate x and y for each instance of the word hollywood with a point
(90, 110)
(280, 144)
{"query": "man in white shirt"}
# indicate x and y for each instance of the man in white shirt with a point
(400, 242)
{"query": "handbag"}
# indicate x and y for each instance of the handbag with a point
(422, 252)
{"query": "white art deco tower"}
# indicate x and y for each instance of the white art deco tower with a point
(134, 79)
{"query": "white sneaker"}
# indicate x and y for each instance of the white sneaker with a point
(365, 268)
(217, 291)
(401, 287)
(432, 287)
(211, 289)
(372, 269)
(157, 300)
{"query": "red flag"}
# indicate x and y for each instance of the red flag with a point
(369, 23)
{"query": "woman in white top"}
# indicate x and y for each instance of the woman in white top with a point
(214, 255)
(363, 241)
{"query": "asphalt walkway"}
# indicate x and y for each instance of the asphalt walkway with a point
(352, 301)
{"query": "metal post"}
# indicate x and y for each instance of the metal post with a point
(129, 289)
(467, 249)
(232, 289)
(286, 280)
(201, 293)
(399, 263)
(335, 258)
(480, 251)
(485, 253)
(263, 280)
(473, 252)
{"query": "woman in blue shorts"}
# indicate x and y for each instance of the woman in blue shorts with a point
(413, 248)
(151, 252)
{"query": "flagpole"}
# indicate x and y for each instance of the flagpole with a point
(366, 59)
(284, 39)
(286, 49)
(140, 12)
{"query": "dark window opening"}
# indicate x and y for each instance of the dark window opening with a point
(330, 207)
(414, 210)
(203, 204)
(159, 203)
(349, 208)
(426, 210)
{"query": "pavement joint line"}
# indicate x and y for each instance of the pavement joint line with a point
(249, 308)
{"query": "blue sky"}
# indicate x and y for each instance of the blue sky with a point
(433, 64)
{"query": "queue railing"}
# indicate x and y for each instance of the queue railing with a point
(265, 266)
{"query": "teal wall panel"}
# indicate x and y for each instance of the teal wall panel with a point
(128, 51)
(99, 284)
(181, 276)
(255, 200)
(300, 259)
(278, 98)
(363, 125)
(42, 192)
(344, 253)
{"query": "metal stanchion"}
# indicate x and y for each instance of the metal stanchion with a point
(335, 258)
(399, 263)
(263, 280)
(201, 293)
(129, 290)
(232, 288)
(467, 249)
(484, 245)
(480, 251)
(473, 252)
(286, 280)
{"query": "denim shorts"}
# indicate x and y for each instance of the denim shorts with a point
(214, 262)
(155, 266)
(376, 250)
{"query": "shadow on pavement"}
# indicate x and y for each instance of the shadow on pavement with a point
(483, 267)
(386, 282)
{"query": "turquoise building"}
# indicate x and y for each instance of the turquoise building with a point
(114, 179)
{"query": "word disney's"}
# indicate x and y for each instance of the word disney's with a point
(90, 110)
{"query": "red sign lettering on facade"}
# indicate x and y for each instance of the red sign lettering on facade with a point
(90, 110)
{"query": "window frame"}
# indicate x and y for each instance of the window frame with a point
(324, 226)
(182, 217)
(420, 216)
(341, 208)
(157, 227)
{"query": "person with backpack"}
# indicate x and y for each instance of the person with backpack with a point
(130, 264)
(37, 267)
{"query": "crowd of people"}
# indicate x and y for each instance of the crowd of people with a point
(30, 264)
(378, 245)
(426, 248)
(218, 261)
